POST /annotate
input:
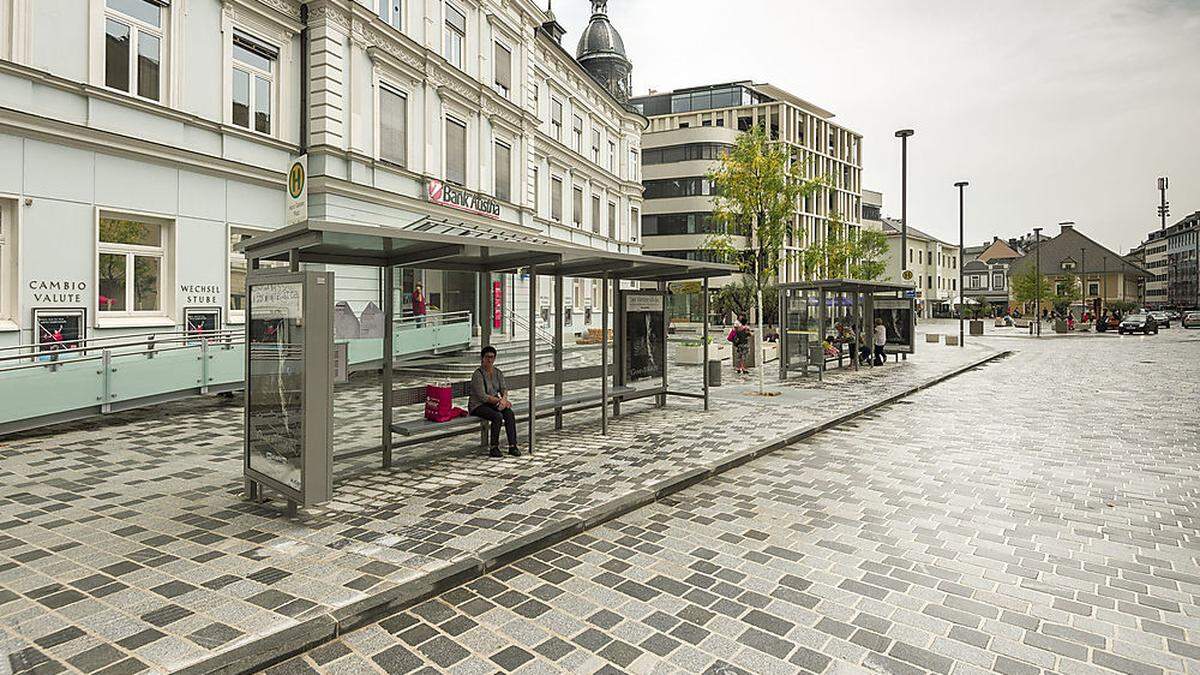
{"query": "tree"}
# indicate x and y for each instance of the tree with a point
(1028, 286)
(739, 297)
(757, 188)
(868, 261)
(858, 255)
(1067, 290)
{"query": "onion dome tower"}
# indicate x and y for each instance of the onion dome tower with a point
(602, 53)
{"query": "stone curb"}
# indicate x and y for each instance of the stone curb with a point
(278, 647)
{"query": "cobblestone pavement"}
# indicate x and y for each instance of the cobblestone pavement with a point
(1041, 514)
(125, 546)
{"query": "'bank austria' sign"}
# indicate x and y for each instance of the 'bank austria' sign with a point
(458, 198)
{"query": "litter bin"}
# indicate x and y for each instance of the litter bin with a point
(714, 373)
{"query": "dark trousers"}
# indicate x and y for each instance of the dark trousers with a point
(496, 416)
(880, 357)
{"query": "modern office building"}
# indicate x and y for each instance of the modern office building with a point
(144, 138)
(933, 264)
(872, 210)
(1155, 252)
(690, 129)
(1183, 254)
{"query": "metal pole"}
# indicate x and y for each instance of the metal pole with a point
(558, 347)
(1037, 312)
(389, 312)
(604, 355)
(1104, 286)
(533, 299)
(662, 398)
(1082, 280)
(704, 306)
(961, 249)
(903, 135)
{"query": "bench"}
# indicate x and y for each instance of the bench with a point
(419, 429)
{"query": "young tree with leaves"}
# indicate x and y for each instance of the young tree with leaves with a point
(758, 186)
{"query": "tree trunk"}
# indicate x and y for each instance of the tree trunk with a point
(762, 346)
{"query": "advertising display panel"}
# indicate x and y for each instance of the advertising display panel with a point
(900, 320)
(645, 342)
(58, 329)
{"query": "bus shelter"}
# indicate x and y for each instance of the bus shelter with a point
(290, 355)
(840, 312)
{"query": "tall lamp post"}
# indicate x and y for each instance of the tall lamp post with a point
(962, 299)
(1082, 281)
(1037, 263)
(1104, 287)
(903, 135)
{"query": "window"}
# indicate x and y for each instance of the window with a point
(577, 207)
(455, 35)
(612, 156)
(556, 113)
(393, 126)
(930, 283)
(537, 192)
(8, 260)
(130, 265)
(684, 153)
(612, 220)
(633, 164)
(596, 214)
(635, 222)
(577, 135)
(456, 151)
(253, 82)
(502, 64)
(679, 187)
(392, 12)
(503, 164)
(133, 37)
(237, 271)
(1093, 288)
(681, 223)
(997, 281)
(920, 257)
(910, 255)
(556, 188)
(596, 146)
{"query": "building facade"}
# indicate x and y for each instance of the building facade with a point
(872, 210)
(933, 264)
(1155, 254)
(1101, 274)
(690, 130)
(986, 272)
(1183, 253)
(145, 138)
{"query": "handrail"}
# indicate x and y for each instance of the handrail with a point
(150, 344)
(542, 334)
(439, 319)
(124, 336)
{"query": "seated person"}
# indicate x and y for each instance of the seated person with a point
(489, 400)
(830, 349)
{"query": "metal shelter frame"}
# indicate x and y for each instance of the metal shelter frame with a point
(861, 296)
(447, 245)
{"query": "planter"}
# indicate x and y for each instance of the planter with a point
(689, 355)
(770, 353)
(977, 327)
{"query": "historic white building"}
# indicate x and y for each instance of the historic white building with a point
(141, 139)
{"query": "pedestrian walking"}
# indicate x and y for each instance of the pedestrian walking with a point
(740, 337)
(418, 303)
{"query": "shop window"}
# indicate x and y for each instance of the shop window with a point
(133, 46)
(455, 35)
(254, 71)
(131, 262)
(393, 125)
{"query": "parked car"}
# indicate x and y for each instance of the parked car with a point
(1162, 318)
(1138, 323)
(1191, 319)
(1107, 323)
(1174, 314)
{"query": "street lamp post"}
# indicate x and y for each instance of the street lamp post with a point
(1083, 290)
(961, 295)
(1104, 286)
(1037, 264)
(903, 135)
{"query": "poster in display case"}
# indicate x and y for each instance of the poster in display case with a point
(289, 375)
(899, 318)
(645, 342)
(59, 329)
(201, 319)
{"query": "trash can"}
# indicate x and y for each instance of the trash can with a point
(714, 373)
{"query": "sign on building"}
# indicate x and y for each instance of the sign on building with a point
(445, 194)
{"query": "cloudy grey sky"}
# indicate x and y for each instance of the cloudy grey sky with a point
(1053, 109)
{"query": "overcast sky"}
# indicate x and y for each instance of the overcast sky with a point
(1053, 109)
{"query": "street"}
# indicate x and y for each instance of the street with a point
(1037, 514)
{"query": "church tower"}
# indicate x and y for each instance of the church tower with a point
(602, 53)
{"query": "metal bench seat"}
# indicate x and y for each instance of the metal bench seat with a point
(420, 425)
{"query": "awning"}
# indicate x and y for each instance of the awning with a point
(441, 244)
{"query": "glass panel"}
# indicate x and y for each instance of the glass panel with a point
(119, 231)
(596, 215)
(503, 172)
(455, 18)
(577, 207)
(456, 152)
(453, 47)
(116, 55)
(556, 187)
(275, 395)
(503, 67)
(250, 58)
(142, 10)
(112, 282)
(262, 105)
(237, 273)
(241, 98)
(393, 126)
(148, 65)
(612, 220)
(146, 276)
